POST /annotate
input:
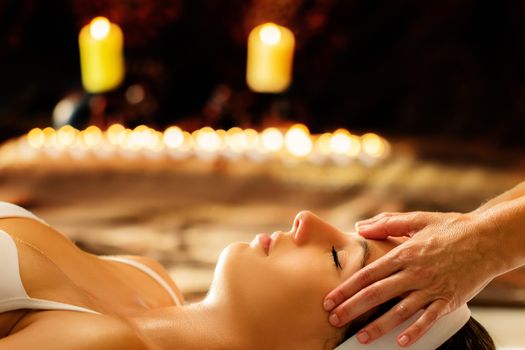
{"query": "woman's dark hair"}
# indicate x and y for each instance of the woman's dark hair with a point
(472, 336)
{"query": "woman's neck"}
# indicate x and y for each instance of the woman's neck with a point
(199, 326)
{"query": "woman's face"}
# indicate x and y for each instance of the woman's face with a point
(276, 284)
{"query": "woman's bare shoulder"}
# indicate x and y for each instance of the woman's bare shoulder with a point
(64, 330)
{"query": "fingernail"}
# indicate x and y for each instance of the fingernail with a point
(328, 304)
(334, 320)
(403, 340)
(361, 227)
(363, 337)
(360, 224)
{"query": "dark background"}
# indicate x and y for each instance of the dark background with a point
(447, 69)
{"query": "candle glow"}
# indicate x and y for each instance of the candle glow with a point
(270, 34)
(270, 57)
(374, 145)
(297, 140)
(173, 137)
(36, 138)
(66, 136)
(92, 136)
(340, 147)
(99, 28)
(207, 140)
(322, 144)
(116, 134)
(272, 139)
(101, 55)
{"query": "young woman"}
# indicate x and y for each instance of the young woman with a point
(266, 294)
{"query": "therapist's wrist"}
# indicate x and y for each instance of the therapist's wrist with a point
(500, 237)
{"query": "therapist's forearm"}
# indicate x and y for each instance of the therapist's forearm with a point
(514, 193)
(503, 227)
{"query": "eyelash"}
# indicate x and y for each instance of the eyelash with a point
(336, 258)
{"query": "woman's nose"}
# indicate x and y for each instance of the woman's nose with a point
(304, 227)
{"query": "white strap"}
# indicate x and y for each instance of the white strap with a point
(147, 270)
(9, 210)
(443, 329)
(11, 286)
(40, 304)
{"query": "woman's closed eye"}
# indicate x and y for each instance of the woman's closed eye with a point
(336, 259)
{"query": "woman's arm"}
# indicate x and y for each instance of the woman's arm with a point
(68, 330)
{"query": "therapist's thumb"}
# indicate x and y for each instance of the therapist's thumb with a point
(393, 224)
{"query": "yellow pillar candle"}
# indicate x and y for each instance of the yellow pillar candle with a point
(101, 56)
(270, 56)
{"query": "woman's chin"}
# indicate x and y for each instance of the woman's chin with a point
(232, 250)
(230, 258)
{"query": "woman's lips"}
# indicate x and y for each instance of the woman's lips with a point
(264, 241)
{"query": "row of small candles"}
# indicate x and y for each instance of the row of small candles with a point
(294, 144)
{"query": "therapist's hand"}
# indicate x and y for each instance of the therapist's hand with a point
(443, 265)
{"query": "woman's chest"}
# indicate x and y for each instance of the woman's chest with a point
(106, 287)
(51, 268)
(103, 286)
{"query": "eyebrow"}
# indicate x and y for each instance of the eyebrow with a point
(366, 250)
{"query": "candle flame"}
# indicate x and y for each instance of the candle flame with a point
(252, 138)
(49, 136)
(92, 136)
(323, 143)
(173, 137)
(207, 139)
(297, 140)
(36, 138)
(66, 136)
(272, 139)
(340, 141)
(344, 143)
(99, 28)
(374, 145)
(270, 34)
(236, 140)
(116, 134)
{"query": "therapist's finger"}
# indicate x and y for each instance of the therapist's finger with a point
(417, 329)
(401, 312)
(369, 274)
(368, 298)
(395, 225)
(376, 218)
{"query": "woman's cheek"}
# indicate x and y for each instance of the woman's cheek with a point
(305, 280)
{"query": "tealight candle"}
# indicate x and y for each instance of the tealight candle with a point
(270, 56)
(116, 134)
(173, 137)
(207, 143)
(92, 136)
(374, 146)
(272, 139)
(177, 141)
(321, 149)
(36, 138)
(297, 140)
(101, 57)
